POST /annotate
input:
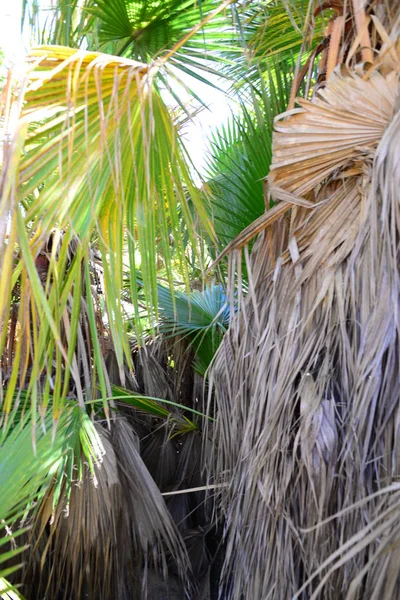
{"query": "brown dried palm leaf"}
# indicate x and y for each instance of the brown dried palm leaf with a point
(115, 528)
(307, 379)
(335, 132)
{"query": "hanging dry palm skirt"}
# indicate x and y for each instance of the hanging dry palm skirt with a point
(308, 379)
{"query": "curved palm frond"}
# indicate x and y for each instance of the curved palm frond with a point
(101, 158)
(145, 31)
(283, 27)
(115, 529)
(158, 408)
(27, 471)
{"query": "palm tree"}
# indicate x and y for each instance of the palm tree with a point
(307, 379)
(95, 185)
(69, 236)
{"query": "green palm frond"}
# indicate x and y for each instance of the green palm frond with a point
(235, 179)
(8, 591)
(239, 158)
(28, 471)
(100, 160)
(158, 408)
(281, 27)
(277, 34)
(25, 472)
(63, 22)
(195, 312)
(145, 30)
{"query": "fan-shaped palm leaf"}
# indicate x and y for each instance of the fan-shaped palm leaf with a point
(145, 31)
(202, 317)
(101, 158)
(239, 159)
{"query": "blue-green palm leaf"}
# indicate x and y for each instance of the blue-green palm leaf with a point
(203, 317)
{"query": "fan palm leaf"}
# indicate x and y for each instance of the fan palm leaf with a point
(239, 159)
(84, 108)
(148, 29)
(202, 318)
(196, 36)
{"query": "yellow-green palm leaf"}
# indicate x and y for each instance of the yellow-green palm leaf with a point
(93, 157)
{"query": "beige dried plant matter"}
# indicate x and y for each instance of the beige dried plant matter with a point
(308, 379)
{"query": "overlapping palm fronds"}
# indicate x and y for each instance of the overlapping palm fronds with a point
(284, 33)
(63, 23)
(194, 36)
(92, 171)
(113, 528)
(171, 433)
(307, 379)
(8, 591)
(28, 472)
(276, 34)
(126, 189)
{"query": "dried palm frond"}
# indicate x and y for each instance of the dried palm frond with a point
(338, 128)
(307, 379)
(116, 526)
(171, 448)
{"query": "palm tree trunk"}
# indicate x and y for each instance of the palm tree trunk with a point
(307, 379)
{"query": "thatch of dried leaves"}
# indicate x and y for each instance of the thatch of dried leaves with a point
(307, 381)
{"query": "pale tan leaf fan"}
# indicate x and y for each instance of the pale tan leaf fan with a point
(340, 127)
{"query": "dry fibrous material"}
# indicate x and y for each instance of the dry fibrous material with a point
(116, 523)
(308, 379)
